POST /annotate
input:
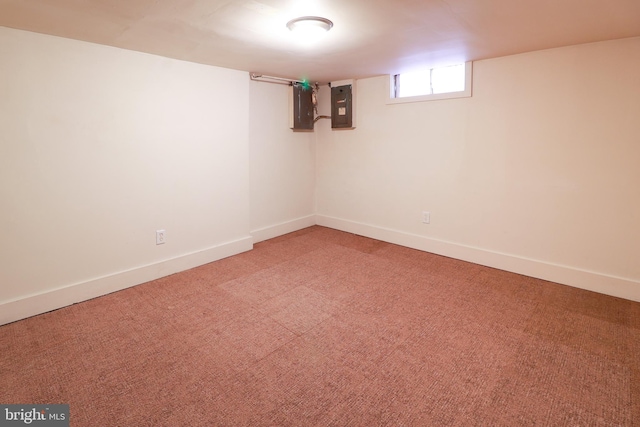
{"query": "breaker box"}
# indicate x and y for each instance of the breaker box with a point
(342, 104)
(301, 107)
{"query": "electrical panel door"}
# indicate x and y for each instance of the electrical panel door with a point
(342, 107)
(301, 108)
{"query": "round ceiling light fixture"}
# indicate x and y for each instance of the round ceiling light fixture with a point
(309, 25)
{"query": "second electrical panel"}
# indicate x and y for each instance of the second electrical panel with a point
(342, 105)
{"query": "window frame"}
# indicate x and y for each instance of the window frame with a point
(466, 93)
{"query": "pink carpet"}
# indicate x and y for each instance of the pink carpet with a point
(325, 328)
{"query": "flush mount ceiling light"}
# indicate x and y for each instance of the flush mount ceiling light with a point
(310, 25)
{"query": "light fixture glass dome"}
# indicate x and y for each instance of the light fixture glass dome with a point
(309, 27)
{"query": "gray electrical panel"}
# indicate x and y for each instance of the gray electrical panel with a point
(301, 106)
(342, 107)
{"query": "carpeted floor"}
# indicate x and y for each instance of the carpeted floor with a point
(325, 328)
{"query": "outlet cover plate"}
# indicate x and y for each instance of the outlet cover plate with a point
(426, 217)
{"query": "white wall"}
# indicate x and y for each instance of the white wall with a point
(282, 165)
(537, 173)
(99, 148)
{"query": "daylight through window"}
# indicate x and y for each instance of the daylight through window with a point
(436, 83)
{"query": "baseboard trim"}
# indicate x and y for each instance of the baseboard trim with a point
(589, 280)
(32, 305)
(276, 230)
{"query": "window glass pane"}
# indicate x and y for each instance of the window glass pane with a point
(431, 84)
(414, 84)
(448, 79)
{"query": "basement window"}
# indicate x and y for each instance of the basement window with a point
(428, 85)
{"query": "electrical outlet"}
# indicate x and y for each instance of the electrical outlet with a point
(160, 237)
(426, 217)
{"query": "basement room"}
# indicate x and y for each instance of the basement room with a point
(319, 213)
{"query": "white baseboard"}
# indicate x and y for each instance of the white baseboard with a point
(589, 280)
(32, 305)
(283, 228)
